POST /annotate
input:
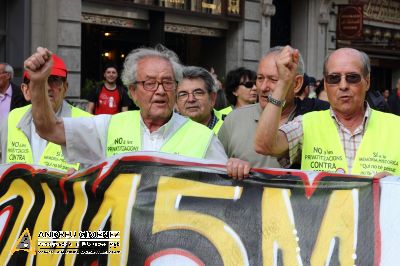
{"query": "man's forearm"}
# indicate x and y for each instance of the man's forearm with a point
(268, 125)
(46, 122)
(38, 67)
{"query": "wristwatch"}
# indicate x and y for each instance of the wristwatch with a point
(276, 102)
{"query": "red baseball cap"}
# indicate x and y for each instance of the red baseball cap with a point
(59, 68)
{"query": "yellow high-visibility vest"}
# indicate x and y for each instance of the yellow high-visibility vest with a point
(323, 151)
(217, 126)
(124, 135)
(19, 149)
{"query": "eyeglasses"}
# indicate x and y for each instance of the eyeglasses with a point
(152, 85)
(197, 94)
(351, 78)
(248, 84)
(55, 81)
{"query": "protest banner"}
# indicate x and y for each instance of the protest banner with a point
(146, 210)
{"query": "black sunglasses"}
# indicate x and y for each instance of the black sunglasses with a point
(248, 84)
(351, 78)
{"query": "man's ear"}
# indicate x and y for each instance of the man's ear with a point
(298, 82)
(26, 92)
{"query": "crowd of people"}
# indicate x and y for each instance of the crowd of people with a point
(275, 117)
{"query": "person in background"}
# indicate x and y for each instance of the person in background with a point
(196, 97)
(304, 90)
(109, 98)
(18, 138)
(11, 96)
(312, 84)
(240, 88)
(376, 101)
(321, 92)
(386, 94)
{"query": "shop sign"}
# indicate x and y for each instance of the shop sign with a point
(350, 22)
(385, 11)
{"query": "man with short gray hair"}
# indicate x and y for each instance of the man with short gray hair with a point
(151, 75)
(11, 95)
(196, 97)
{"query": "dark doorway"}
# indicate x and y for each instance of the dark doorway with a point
(197, 50)
(280, 23)
(381, 78)
(101, 44)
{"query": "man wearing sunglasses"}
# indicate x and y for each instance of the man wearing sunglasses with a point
(195, 97)
(19, 140)
(349, 138)
(239, 127)
(151, 76)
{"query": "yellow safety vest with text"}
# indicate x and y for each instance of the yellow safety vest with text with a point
(19, 149)
(323, 150)
(124, 135)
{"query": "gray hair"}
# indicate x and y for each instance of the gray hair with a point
(129, 74)
(194, 72)
(364, 58)
(9, 69)
(278, 49)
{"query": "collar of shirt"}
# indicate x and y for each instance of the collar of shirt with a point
(7, 94)
(360, 128)
(154, 141)
(213, 121)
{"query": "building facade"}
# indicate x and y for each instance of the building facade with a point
(222, 34)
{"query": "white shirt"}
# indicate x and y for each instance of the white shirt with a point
(86, 139)
(37, 143)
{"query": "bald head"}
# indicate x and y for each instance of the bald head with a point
(350, 53)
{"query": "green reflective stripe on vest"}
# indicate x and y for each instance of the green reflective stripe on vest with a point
(124, 135)
(18, 147)
(52, 154)
(218, 114)
(223, 112)
(191, 140)
(375, 154)
(217, 126)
